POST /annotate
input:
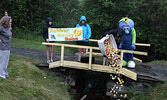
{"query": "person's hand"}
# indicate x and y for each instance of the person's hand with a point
(120, 46)
(107, 36)
(84, 39)
(133, 46)
(47, 40)
(0, 41)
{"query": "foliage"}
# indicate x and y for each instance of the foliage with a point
(148, 15)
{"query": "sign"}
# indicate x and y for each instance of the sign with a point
(65, 34)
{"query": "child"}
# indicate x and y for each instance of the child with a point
(45, 36)
(86, 36)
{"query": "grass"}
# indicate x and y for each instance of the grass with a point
(28, 44)
(159, 92)
(27, 82)
(158, 62)
(32, 44)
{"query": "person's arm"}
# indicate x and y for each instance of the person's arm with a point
(111, 32)
(53, 26)
(133, 36)
(89, 32)
(44, 32)
(0, 39)
(133, 39)
(10, 25)
(77, 26)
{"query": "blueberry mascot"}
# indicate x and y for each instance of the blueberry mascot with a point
(128, 41)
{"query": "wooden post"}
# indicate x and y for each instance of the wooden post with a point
(62, 55)
(121, 58)
(90, 58)
(87, 50)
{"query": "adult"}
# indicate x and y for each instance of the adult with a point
(86, 36)
(5, 44)
(6, 14)
(48, 25)
(117, 33)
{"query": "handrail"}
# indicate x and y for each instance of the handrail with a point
(138, 44)
(93, 48)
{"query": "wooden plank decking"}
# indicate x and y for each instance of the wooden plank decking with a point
(94, 67)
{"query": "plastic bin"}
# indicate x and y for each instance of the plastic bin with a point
(111, 41)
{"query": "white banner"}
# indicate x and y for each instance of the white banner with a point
(65, 34)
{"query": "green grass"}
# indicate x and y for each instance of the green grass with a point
(32, 44)
(27, 82)
(159, 92)
(158, 62)
(28, 44)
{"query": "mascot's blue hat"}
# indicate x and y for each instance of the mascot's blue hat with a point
(126, 22)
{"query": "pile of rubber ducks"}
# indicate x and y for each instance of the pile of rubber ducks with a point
(113, 57)
(114, 62)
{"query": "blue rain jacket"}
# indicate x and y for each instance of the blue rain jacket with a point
(86, 29)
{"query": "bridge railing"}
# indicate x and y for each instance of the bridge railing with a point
(91, 66)
(137, 44)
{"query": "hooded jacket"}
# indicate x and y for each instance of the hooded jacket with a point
(86, 29)
(45, 28)
(117, 33)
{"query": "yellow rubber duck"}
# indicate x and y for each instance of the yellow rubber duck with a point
(77, 32)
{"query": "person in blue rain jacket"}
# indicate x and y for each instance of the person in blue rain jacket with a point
(86, 36)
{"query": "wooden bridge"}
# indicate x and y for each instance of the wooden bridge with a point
(94, 67)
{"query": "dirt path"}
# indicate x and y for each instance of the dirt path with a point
(38, 54)
(159, 69)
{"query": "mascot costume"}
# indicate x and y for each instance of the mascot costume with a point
(128, 41)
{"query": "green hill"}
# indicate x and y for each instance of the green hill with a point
(27, 82)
